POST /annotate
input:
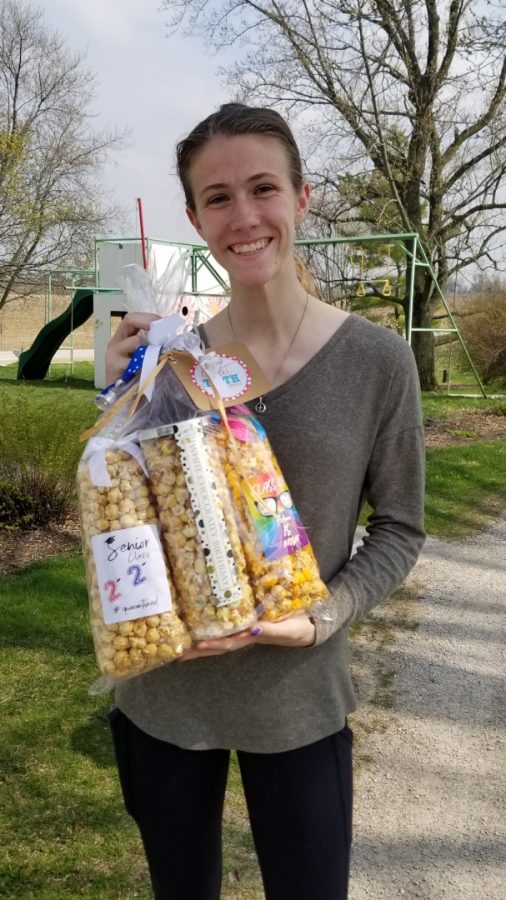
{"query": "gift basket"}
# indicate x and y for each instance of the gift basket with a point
(176, 465)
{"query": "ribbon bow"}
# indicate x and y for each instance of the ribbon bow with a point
(169, 333)
(95, 453)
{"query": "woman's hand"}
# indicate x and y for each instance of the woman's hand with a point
(298, 631)
(124, 343)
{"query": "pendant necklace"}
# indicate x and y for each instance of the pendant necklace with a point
(260, 405)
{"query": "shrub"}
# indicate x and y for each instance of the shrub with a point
(32, 497)
(39, 452)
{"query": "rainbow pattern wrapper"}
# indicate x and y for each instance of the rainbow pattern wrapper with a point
(280, 561)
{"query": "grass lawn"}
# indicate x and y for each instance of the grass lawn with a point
(63, 830)
(41, 422)
(466, 485)
(59, 374)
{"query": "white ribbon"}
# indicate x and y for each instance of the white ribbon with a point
(96, 450)
(211, 364)
(170, 333)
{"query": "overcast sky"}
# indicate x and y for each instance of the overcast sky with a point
(155, 86)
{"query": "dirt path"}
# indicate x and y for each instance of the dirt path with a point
(430, 802)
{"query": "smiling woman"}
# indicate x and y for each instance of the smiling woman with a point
(343, 417)
(248, 217)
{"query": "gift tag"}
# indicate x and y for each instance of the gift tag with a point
(131, 573)
(232, 378)
(236, 376)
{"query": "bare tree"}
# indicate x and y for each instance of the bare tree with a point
(51, 203)
(435, 70)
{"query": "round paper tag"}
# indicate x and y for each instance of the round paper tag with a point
(232, 378)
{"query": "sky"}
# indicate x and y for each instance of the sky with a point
(156, 87)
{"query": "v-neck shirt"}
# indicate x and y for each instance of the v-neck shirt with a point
(346, 428)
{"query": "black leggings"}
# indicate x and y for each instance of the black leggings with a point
(299, 805)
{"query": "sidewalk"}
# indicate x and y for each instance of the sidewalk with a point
(64, 355)
(429, 805)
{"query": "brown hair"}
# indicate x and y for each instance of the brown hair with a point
(233, 119)
(230, 120)
(304, 277)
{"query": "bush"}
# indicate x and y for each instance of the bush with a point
(32, 498)
(484, 331)
(39, 452)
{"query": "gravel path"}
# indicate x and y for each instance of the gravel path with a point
(430, 812)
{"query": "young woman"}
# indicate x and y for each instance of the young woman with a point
(343, 417)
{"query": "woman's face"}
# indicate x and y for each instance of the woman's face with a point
(246, 207)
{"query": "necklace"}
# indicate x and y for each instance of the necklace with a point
(260, 405)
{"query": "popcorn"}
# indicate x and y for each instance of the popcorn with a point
(195, 465)
(199, 531)
(129, 647)
(280, 561)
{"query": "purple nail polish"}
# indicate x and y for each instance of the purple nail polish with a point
(256, 631)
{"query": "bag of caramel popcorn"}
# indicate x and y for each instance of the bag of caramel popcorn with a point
(134, 623)
(199, 529)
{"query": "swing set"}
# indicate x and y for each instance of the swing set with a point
(102, 295)
(380, 285)
(386, 287)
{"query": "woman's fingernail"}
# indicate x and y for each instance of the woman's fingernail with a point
(256, 631)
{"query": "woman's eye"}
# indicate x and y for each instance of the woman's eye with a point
(264, 188)
(219, 198)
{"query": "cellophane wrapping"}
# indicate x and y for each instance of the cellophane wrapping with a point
(279, 558)
(219, 514)
(134, 622)
(234, 540)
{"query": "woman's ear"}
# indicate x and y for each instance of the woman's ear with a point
(303, 201)
(194, 221)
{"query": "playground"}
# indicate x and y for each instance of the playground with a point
(371, 275)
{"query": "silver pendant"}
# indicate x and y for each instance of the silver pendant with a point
(260, 406)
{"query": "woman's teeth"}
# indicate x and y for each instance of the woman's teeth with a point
(250, 248)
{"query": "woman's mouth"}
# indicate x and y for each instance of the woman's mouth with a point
(250, 248)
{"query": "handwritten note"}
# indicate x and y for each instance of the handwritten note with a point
(131, 573)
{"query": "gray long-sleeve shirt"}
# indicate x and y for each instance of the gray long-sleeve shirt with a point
(346, 429)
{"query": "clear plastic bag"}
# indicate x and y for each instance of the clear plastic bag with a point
(280, 561)
(199, 529)
(134, 623)
(234, 540)
(145, 292)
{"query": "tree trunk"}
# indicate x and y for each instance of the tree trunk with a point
(423, 348)
(422, 342)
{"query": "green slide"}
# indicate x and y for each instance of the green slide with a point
(34, 362)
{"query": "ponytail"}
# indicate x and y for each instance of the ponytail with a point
(304, 277)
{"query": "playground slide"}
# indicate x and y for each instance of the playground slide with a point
(34, 362)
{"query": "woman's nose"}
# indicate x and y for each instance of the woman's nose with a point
(245, 214)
